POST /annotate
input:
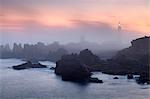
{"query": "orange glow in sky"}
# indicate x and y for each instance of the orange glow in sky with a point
(134, 15)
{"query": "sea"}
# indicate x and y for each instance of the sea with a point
(44, 84)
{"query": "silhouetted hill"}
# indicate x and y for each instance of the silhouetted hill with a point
(132, 60)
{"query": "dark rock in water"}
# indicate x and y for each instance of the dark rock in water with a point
(95, 80)
(71, 69)
(144, 78)
(115, 78)
(88, 58)
(130, 76)
(52, 68)
(28, 65)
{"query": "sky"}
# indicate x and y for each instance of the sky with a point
(30, 21)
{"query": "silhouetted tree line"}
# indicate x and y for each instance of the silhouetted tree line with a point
(36, 52)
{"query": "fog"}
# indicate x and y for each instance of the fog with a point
(96, 32)
(100, 38)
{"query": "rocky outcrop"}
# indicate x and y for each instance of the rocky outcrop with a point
(140, 48)
(135, 59)
(71, 68)
(95, 80)
(28, 65)
(130, 76)
(144, 78)
(52, 68)
(132, 60)
(91, 60)
(88, 58)
(129, 61)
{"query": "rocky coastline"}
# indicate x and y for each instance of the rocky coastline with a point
(130, 61)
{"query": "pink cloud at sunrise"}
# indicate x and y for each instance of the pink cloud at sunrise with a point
(24, 15)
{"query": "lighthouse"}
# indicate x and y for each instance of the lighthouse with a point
(119, 33)
(119, 27)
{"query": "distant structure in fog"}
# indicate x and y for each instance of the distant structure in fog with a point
(119, 27)
(82, 39)
(119, 33)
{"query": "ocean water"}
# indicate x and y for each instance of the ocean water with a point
(44, 84)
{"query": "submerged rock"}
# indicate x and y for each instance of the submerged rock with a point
(95, 80)
(144, 78)
(115, 78)
(130, 76)
(28, 65)
(52, 68)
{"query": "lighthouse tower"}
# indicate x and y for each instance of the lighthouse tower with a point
(119, 27)
(119, 32)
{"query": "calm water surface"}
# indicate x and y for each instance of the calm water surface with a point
(44, 84)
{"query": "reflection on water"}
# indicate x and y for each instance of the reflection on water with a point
(44, 84)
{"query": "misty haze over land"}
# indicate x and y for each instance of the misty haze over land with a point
(97, 32)
(55, 50)
(98, 37)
